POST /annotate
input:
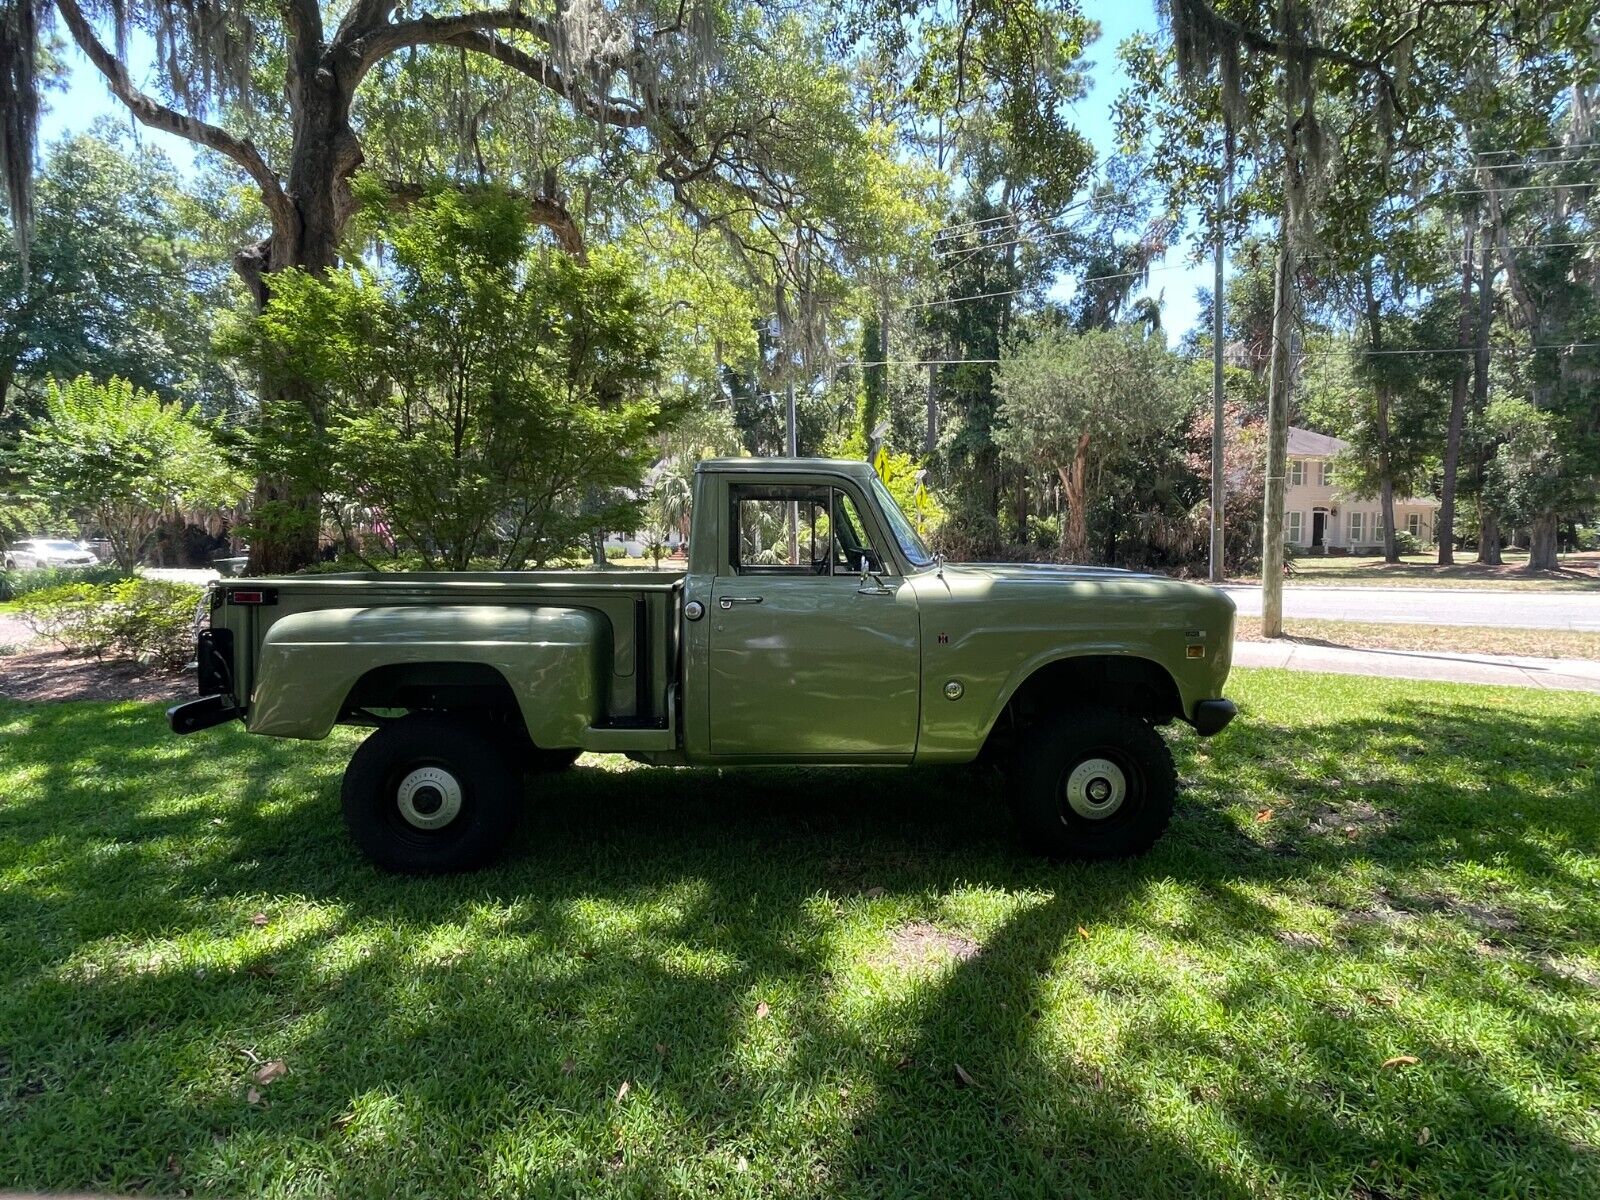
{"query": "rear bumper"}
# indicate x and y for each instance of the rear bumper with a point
(196, 715)
(1212, 716)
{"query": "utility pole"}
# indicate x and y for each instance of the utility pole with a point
(792, 445)
(1217, 480)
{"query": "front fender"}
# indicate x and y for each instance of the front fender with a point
(554, 659)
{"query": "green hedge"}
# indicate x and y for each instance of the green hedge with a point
(148, 620)
(19, 583)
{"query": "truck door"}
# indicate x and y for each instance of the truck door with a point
(806, 660)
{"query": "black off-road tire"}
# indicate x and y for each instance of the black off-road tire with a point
(1092, 784)
(428, 768)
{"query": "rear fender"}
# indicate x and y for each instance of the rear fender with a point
(555, 660)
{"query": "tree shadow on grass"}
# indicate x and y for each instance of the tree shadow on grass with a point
(470, 1033)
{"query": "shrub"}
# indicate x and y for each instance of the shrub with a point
(1406, 542)
(19, 583)
(63, 613)
(148, 620)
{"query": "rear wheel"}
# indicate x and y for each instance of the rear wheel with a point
(1093, 784)
(428, 794)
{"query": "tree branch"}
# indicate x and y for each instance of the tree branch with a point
(159, 116)
(374, 43)
(613, 110)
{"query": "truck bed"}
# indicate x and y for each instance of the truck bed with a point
(640, 606)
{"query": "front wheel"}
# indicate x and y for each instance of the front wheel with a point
(427, 794)
(1093, 784)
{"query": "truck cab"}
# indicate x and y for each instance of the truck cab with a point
(812, 626)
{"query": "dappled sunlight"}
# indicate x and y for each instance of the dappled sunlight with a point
(766, 981)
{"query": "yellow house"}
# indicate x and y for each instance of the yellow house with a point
(1319, 517)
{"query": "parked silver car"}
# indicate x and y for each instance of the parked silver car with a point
(47, 552)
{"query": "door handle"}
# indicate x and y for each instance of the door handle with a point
(727, 602)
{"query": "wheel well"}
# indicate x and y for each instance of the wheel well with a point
(1135, 686)
(432, 686)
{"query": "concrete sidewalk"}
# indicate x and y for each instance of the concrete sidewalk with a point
(1563, 674)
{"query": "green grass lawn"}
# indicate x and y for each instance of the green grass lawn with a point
(804, 983)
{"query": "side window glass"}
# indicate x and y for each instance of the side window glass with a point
(779, 530)
(853, 551)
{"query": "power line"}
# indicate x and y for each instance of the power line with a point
(1536, 149)
(957, 362)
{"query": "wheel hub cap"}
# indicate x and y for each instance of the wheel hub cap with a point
(429, 798)
(1096, 788)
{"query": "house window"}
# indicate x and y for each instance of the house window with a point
(1357, 528)
(1297, 472)
(1414, 525)
(1294, 537)
(1324, 476)
(1377, 529)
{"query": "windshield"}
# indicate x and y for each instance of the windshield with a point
(70, 547)
(904, 532)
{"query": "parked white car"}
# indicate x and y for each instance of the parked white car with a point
(47, 552)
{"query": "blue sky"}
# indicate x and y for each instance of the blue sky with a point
(1177, 282)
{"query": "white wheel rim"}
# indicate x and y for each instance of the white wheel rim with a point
(1096, 788)
(429, 798)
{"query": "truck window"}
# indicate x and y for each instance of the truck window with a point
(779, 529)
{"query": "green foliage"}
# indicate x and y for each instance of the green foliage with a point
(117, 460)
(478, 397)
(20, 583)
(1073, 402)
(146, 620)
(119, 284)
(1406, 542)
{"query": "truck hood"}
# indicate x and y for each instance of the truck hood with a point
(1106, 580)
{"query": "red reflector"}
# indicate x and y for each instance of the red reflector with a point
(245, 597)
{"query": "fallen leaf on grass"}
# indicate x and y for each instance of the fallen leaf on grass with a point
(252, 1097)
(568, 1066)
(967, 1080)
(1424, 1135)
(1264, 815)
(762, 1010)
(661, 1049)
(873, 893)
(174, 1165)
(276, 1069)
(1399, 1060)
(343, 1120)
(622, 1092)
(259, 920)
(1083, 933)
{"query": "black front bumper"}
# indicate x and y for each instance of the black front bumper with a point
(201, 714)
(1212, 716)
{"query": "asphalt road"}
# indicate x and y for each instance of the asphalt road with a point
(1433, 606)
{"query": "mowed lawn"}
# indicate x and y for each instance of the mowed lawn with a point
(1364, 963)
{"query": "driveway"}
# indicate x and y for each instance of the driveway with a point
(1432, 606)
(13, 632)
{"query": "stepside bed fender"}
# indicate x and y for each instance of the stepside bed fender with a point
(555, 660)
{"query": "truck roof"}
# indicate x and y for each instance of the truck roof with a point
(784, 466)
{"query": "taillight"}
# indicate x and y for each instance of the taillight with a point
(253, 596)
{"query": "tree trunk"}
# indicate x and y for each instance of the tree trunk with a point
(1384, 402)
(1542, 542)
(1488, 537)
(1075, 521)
(1488, 519)
(1445, 533)
(1277, 435)
(286, 523)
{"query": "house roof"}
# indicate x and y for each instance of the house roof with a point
(1314, 445)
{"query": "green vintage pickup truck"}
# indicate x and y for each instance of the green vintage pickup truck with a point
(812, 626)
